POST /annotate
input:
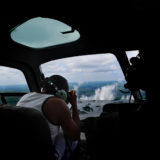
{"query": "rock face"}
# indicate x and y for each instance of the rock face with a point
(88, 108)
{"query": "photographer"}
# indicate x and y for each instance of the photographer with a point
(52, 102)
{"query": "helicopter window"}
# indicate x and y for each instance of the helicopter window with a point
(131, 54)
(12, 85)
(97, 79)
(43, 32)
(142, 93)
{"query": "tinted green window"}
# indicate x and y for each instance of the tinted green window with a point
(12, 81)
(43, 32)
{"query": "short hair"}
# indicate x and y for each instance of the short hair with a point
(58, 80)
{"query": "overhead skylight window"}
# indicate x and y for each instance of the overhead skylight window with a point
(44, 32)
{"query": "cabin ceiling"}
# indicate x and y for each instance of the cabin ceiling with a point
(119, 27)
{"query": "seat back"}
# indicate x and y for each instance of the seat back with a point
(24, 134)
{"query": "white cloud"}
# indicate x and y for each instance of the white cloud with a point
(98, 67)
(89, 63)
(10, 76)
(132, 53)
(85, 68)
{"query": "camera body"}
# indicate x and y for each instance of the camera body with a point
(69, 96)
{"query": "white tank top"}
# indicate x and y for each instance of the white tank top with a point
(36, 101)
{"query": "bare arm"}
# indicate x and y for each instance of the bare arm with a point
(75, 114)
(57, 111)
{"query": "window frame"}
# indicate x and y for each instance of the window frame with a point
(12, 94)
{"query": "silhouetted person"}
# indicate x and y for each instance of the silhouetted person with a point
(52, 102)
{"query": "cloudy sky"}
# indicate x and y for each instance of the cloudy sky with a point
(85, 68)
(79, 69)
(98, 67)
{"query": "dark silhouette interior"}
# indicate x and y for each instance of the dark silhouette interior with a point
(123, 130)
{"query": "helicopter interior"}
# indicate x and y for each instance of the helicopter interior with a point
(123, 129)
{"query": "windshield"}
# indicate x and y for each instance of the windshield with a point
(43, 32)
(97, 79)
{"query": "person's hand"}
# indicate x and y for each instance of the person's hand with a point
(73, 98)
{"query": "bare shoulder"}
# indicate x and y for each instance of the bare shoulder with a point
(54, 109)
(53, 102)
(58, 113)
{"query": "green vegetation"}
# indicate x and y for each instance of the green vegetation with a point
(13, 100)
(86, 89)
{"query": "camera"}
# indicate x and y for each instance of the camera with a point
(69, 96)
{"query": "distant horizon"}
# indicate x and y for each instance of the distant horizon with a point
(68, 82)
(97, 90)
